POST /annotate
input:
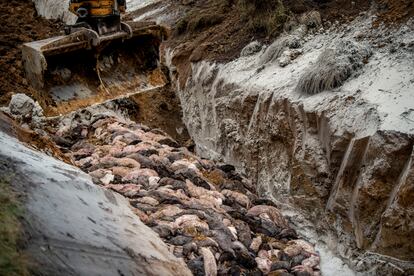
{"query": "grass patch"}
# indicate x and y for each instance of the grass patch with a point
(203, 22)
(195, 23)
(333, 67)
(263, 16)
(12, 262)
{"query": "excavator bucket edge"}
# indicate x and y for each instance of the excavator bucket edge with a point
(81, 69)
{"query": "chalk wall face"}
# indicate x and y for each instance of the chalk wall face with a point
(342, 157)
(58, 9)
(55, 9)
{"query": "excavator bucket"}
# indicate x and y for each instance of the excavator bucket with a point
(82, 68)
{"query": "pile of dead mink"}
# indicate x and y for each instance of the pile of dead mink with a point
(208, 214)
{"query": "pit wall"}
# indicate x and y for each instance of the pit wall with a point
(55, 9)
(361, 188)
(59, 9)
(353, 184)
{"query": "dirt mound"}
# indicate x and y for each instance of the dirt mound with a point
(19, 23)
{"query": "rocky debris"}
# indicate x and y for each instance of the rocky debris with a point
(251, 48)
(289, 55)
(289, 45)
(25, 111)
(205, 212)
(336, 63)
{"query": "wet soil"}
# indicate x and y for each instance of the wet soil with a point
(19, 23)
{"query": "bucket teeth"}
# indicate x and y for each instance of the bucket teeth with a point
(82, 68)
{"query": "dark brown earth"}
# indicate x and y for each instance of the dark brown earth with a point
(216, 31)
(19, 23)
(158, 109)
(395, 11)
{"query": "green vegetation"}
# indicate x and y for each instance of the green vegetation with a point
(12, 262)
(263, 16)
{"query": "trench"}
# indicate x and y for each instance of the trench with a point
(342, 188)
(295, 158)
(324, 182)
(338, 189)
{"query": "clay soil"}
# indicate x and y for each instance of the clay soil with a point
(19, 23)
(162, 110)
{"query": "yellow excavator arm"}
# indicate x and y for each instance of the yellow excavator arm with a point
(97, 8)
